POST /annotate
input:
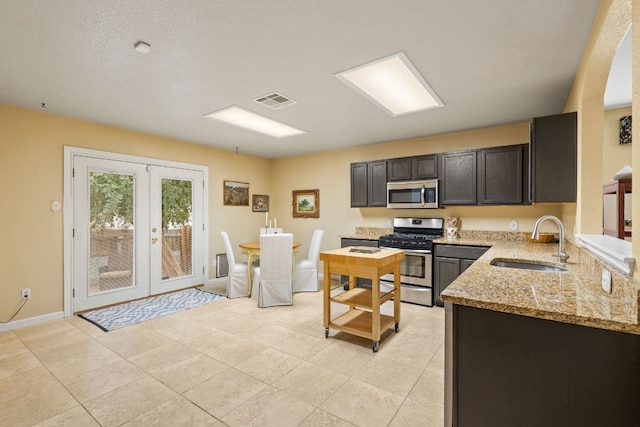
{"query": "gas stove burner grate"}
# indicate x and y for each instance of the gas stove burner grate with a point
(413, 233)
(412, 236)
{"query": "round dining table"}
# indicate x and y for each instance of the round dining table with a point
(253, 248)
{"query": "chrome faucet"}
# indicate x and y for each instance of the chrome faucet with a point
(562, 255)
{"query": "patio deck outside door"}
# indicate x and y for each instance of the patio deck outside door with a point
(137, 230)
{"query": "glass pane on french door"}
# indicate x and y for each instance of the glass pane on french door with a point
(176, 228)
(177, 224)
(111, 237)
(112, 228)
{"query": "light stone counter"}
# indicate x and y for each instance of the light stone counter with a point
(574, 297)
(368, 233)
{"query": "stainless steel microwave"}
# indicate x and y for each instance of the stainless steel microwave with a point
(412, 194)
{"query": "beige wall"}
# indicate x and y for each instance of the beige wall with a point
(31, 176)
(614, 154)
(587, 98)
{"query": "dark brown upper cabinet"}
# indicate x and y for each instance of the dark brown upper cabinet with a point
(412, 168)
(554, 176)
(458, 178)
(369, 184)
(501, 175)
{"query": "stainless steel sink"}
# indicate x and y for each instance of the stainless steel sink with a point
(526, 265)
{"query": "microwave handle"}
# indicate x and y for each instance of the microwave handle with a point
(422, 195)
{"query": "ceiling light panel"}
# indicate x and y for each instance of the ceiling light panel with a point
(246, 119)
(394, 84)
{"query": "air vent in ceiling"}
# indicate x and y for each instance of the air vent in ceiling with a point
(275, 101)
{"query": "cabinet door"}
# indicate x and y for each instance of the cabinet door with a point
(500, 173)
(377, 184)
(554, 158)
(359, 185)
(445, 271)
(464, 264)
(458, 178)
(511, 370)
(424, 167)
(399, 169)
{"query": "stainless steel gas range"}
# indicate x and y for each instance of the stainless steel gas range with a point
(415, 236)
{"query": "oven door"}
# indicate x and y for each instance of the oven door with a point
(415, 268)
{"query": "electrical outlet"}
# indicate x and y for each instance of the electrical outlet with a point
(606, 280)
(26, 293)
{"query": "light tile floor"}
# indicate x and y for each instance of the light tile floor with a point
(226, 363)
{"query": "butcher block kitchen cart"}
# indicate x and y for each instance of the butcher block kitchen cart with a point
(363, 318)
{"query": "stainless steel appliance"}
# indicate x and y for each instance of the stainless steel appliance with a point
(412, 194)
(415, 236)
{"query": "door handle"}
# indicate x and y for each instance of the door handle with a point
(154, 239)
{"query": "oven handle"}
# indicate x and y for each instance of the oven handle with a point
(415, 251)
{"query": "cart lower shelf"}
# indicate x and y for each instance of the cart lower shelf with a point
(358, 322)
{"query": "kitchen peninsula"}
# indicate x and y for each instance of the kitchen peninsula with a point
(533, 348)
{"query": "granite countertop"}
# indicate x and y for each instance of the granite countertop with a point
(368, 233)
(573, 297)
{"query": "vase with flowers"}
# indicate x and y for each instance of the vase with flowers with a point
(453, 224)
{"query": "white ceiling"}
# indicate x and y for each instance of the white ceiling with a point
(492, 62)
(619, 91)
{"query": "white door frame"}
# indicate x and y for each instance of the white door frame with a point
(69, 153)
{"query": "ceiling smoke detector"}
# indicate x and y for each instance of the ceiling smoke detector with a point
(275, 101)
(142, 47)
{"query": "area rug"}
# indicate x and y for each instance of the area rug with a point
(122, 315)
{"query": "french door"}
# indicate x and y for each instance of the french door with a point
(138, 230)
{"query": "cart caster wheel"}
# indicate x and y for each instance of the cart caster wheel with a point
(374, 347)
(326, 332)
(397, 327)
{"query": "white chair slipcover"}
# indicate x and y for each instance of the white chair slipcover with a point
(238, 284)
(272, 281)
(305, 277)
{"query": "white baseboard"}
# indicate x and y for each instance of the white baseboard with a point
(31, 321)
(218, 280)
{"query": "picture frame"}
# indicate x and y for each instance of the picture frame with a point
(625, 130)
(260, 203)
(306, 203)
(236, 193)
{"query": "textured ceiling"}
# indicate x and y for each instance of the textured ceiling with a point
(492, 62)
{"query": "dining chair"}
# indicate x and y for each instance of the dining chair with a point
(273, 281)
(305, 276)
(238, 283)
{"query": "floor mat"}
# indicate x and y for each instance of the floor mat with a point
(122, 315)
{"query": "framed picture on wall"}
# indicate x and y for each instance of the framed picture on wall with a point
(236, 193)
(625, 130)
(306, 203)
(260, 203)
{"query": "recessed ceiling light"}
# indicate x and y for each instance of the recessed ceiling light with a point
(246, 119)
(392, 83)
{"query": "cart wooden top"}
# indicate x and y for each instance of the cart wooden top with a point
(345, 256)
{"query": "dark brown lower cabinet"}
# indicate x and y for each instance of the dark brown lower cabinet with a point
(360, 282)
(449, 262)
(511, 370)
